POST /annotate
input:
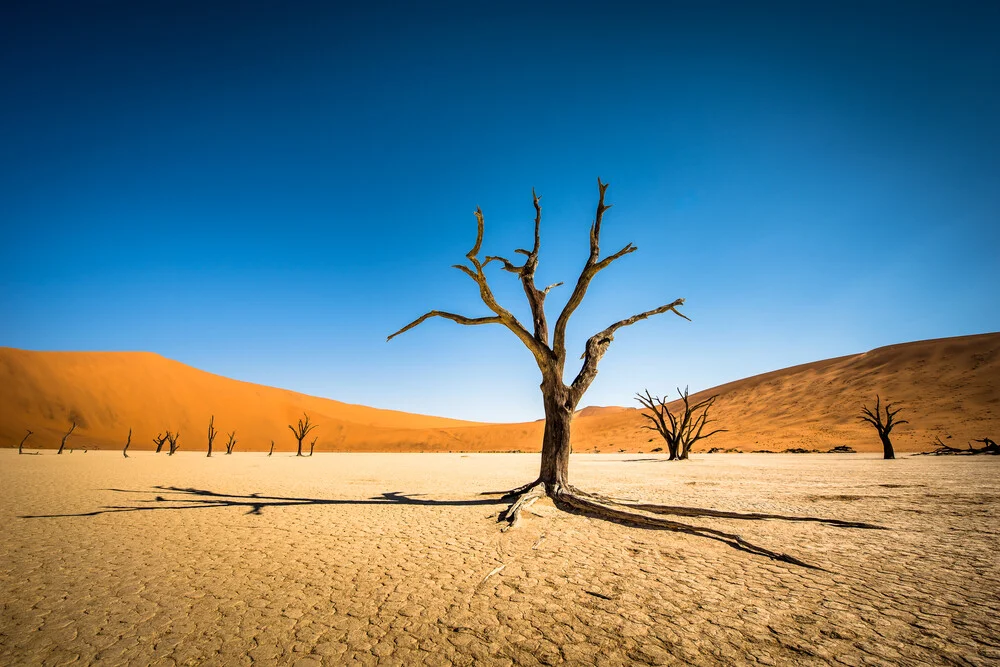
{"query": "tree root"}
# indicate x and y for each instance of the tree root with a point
(524, 497)
(571, 499)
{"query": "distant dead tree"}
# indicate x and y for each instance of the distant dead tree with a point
(127, 443)
(559, 399)
(301, 431)
(172, 440)
(158, 441)
(312, 445)
(883, 426)
(680, 431)
(20, 447)
(231, 443)
(989, 447)
(63, 443)
(211, 434)
(271, 451)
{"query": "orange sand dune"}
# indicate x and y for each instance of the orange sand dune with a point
(949, 386)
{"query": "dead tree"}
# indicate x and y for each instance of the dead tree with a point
(559, 398)
(301, 431)
(158, 441)
(20, 447)
(127, 443)
(231, 443)
(989, 447)
(680, 431)
(172, 440)
(211, 434)
(63, 443)
(883, 426)
(271, 451)
(312, 445)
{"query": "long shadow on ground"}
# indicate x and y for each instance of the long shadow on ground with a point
(191, 498)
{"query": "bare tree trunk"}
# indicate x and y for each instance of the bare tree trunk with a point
(556, 446)
(299, 453)
(271, 451)
(887, 451)
(63, 443)
(127, 443)
(885, 425)
(20, 447)
(211, 434)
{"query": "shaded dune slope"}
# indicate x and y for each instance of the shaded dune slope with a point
(950, 387)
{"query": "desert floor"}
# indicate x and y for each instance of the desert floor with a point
(388, 558)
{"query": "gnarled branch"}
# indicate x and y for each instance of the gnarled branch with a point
(461, 319)
(598, 344)
(586, 275)
(501, 314)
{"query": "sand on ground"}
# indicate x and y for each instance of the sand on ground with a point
(397, 559)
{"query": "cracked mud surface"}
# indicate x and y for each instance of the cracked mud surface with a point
(397, 559)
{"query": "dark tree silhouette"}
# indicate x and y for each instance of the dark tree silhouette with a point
(63, 443)
(559, 399)
(680, 431)
(271, 451)
(301, 431)
(989, 447)
(211, 434)
(883, 426)
(172, 440)
(231, 443)
(20, 447)
(312, 446)
(127, 443)
(158, 441)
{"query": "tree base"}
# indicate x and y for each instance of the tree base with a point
(644, 515)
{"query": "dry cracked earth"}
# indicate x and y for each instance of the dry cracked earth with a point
(397, 559)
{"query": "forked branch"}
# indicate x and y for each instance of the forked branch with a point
(301, 430)
(172, 440)
(597, 345)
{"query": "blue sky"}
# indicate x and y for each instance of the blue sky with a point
(267, 191)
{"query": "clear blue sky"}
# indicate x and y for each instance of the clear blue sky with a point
(266, 190)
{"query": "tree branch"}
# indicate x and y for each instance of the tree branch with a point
(598, 344)
(461, 319)
(507, 264)
(586, 275)
(621, 253)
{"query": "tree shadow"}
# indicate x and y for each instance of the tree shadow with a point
(191, 498)
(173, 498)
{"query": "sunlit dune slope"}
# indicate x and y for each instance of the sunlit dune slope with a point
(107, 393)
(948, 386)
